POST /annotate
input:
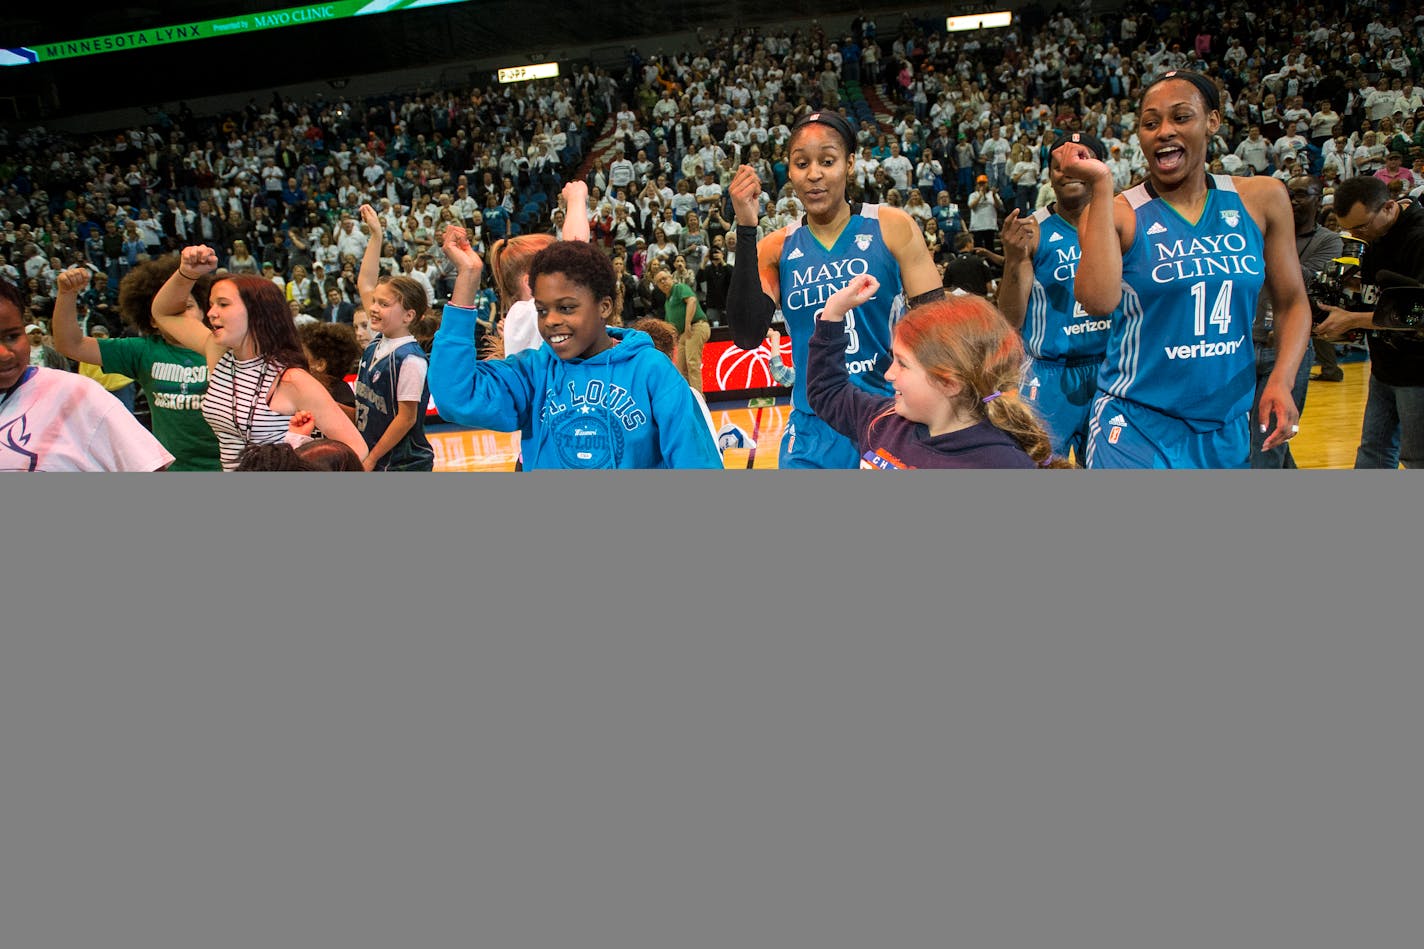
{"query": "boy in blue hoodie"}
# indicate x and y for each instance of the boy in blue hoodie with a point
(592, 396)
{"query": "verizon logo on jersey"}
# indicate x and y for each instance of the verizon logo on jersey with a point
(1091, 326)
(1197, 350)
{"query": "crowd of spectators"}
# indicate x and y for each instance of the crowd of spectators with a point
(961, 129)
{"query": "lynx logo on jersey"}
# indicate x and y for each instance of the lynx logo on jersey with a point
(1232, 217)
(863, 241)
(13, 439)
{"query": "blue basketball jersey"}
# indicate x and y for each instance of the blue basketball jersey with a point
(1056, 326)
(811, 273)
(376, 408)
(1193, 359)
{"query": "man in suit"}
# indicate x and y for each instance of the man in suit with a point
(336, 310)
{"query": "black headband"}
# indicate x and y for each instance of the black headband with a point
(1205, 86)
(832, 119)
(1091, 142)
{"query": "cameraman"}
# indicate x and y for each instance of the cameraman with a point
(1316, 246)
(1393, 231)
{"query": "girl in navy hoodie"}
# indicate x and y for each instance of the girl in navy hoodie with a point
(955, 367)
(591, 396)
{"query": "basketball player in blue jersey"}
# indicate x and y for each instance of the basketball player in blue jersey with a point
(1184, 256)
(799, 266)
(1064, 344)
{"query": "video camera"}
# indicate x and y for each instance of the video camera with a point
(1401, 302)
(1332, 286)
(1338, 284)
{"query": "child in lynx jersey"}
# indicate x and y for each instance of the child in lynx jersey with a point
(798, 267)
(392, 393)
(954, 373)
(1186, 254)
(1065, 345)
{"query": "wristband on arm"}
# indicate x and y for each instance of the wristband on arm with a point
(929, 296)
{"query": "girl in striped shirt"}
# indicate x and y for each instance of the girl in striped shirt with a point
(257, 375)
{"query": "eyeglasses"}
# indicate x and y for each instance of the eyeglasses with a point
(1367, 226)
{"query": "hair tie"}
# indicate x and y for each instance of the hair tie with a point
(992, 396)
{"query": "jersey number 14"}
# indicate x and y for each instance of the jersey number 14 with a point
(1220, 315)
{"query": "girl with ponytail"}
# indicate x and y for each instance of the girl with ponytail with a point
(955, 371)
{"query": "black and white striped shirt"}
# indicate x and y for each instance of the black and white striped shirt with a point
(236, 408)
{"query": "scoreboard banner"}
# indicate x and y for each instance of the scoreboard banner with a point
(208, 29)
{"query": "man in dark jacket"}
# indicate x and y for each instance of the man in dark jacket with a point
(335, 309)
(1393, 231)
(968, 270)
(712, 282)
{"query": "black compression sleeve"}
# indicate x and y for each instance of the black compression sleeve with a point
(749, 309)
